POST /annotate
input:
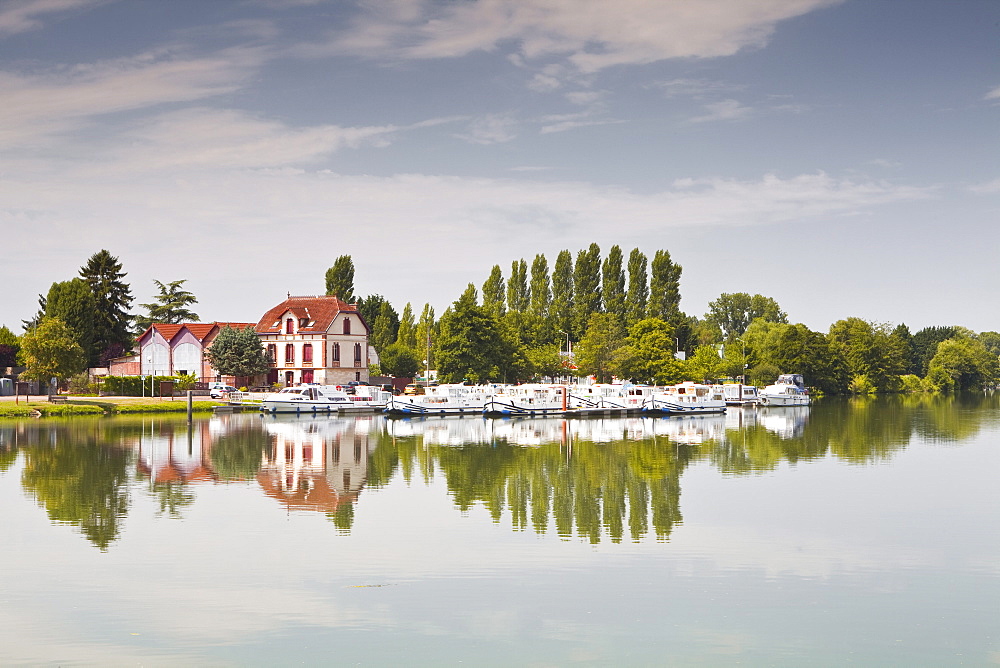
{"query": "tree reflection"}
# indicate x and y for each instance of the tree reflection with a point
(82, 482)
(237, 454)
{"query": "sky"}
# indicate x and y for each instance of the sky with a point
(840, 157)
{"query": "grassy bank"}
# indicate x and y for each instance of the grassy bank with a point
(101, 406)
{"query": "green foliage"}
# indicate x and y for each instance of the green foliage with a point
(73, 303)
(561, 309)
(596, 352)
(132, 386)
(52, 351)
(238, 352)
(664, 288)
(541, 291)
(237, 454)
(924, 346)
(10, 347)
(185, 381)
(340, 279)
(637, 297)
(910, 383)
(733, 313)
(385, 327)
(169, 307)
(647, 354)
(407, 333)
(586, 289)
(871, 351)
(613, 283)
(705, 364)
(518, 293)
(494, 293)
(399, 361)
(962, 364)
(113, 302)
(471, 345)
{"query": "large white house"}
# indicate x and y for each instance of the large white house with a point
(319, 339)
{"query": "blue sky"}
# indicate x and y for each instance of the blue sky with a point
(840, 157)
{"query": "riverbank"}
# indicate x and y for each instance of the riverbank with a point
(40, 406)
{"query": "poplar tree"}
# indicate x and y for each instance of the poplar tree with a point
(586, 287)
(664, 288)
(637, 297)
(541, 292)
(407, 333)
(518, 296)
(340, 279)
(112, 306)
(613, 282)
(561, 310)
(425, 334)
(494, 293)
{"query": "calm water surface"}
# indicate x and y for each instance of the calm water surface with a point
(861, 532)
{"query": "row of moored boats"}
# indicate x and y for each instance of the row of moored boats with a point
(539, 399)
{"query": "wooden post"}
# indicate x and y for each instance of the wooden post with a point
(190, 406)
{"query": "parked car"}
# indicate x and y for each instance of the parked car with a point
(219, 391)
(413, 388)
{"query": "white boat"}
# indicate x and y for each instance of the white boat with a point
(608, 398)
(687, 398)
(531, 399)
(737, 394)
(788, 390)
(446, 399)
(325, 399)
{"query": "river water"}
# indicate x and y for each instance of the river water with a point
(862, 532)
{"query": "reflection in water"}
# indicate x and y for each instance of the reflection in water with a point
(594, 478)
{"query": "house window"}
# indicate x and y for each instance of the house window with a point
(272, 353)
(357, 352)
(307, 353)
(336, 352)
(290, 353)
(289, 326)
(347, 325)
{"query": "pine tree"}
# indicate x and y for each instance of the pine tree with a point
(113, 301)
(170, 306)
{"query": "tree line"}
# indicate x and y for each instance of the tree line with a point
(622, 319)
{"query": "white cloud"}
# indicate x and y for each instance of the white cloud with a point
(993, 94)
(589, 34)
(491, 129)
(18, 16)
(39, 105)
(694, 88)
(986, 188)
(726, 110)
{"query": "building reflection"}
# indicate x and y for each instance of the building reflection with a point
(315, 464)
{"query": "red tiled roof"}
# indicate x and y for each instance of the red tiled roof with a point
(320, 310)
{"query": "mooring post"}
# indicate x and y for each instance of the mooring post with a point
(190, 406)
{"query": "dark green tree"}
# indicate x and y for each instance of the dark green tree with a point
(385, 329)
(169, 307)
(10, 345)
(113, 303)
(924, 347)
(371, 307)
(407, 333)
(470, 346)
(561, 309)
(586, 288)
(340, 279)
(665, 288)
(518, 293)
(494, 293)
(238, 352)
(613, 283)
(541, 292)
(637, 297)
(73, 303)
